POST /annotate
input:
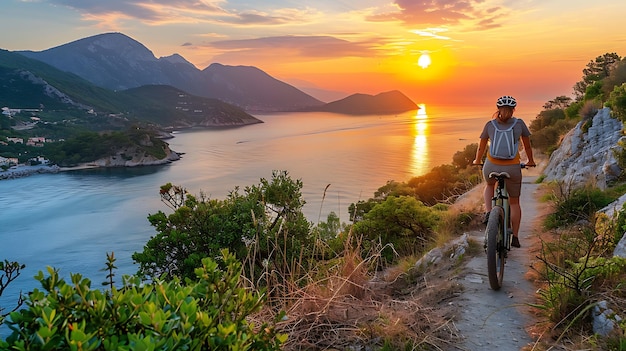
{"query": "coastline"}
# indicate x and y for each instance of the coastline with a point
(25, 171)
(21, 171)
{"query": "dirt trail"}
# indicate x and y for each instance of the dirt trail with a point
(498, 320)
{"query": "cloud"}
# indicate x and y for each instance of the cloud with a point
(442, 12)
(431, 33)
(157, 12)
(297, 46)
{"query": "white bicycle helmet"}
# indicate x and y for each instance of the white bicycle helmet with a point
(506, 101)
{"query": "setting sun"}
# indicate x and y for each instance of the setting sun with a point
(424, 60)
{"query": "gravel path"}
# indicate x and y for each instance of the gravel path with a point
(498, 320)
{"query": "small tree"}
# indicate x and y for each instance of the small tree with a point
(595, 71)
(463, 159)
(9, 271)
(560, 102)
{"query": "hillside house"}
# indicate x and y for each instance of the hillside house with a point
(8, 161)
(15, 140)
(36, 141)
(39, 160)
(13, 111)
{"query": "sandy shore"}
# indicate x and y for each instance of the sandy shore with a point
(79, 167)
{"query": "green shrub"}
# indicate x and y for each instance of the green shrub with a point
(577, 272)
(620, 226)
(209, 313)
(579, 204)
(548, 138)
(617, 101)
(267, 218)
(403, 225)
(573, 110)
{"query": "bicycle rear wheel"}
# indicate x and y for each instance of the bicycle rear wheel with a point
(496, 249)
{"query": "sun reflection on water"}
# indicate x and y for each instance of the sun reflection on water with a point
(420, 145)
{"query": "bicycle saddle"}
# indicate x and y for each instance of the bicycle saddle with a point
(499, 174)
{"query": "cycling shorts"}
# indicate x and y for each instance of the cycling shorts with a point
(513, 184)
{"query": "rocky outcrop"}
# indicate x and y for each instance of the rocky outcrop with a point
(585, 157)
(135, 156)
(25, 171)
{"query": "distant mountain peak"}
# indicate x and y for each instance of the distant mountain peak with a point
(254, 89)
(125, 46)
(218, 67)
(175, 59)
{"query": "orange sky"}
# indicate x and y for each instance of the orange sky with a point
(534, 50)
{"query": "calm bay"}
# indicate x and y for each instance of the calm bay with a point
(71, 220)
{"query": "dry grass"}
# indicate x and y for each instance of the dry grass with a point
(344, 303)
(351, 307)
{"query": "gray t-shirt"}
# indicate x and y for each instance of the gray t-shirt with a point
(519, 130)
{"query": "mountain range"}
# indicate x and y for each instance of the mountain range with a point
(61, 97)
(112, 74)
(117, 62)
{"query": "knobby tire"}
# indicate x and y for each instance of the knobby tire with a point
(495, 248)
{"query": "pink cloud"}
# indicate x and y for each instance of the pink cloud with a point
(441, 12)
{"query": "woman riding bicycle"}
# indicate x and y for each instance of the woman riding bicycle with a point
(502, 121)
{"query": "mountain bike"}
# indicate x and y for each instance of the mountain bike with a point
(498, 234)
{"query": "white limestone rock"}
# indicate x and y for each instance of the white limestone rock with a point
(588, 157)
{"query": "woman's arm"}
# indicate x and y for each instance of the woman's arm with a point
(529, 151)
(480, 152)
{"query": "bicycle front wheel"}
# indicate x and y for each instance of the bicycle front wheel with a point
(496, 250)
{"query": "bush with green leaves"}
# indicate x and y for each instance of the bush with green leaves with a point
(210, 312)
(617, 102)
(265, 222)
(620, 225)
(400, 224)
(576, 205)
(577, 274)
(552, 123)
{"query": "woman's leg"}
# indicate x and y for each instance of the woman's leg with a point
(488, 194)
(516, 214)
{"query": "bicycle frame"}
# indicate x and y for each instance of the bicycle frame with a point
(497, 235)
(501, 199)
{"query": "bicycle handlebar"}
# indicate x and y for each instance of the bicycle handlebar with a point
(522, 165)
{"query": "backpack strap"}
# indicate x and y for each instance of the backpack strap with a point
(495, 125)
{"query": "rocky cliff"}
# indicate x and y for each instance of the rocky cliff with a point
(587, 156)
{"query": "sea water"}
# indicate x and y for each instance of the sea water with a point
(71, 220)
